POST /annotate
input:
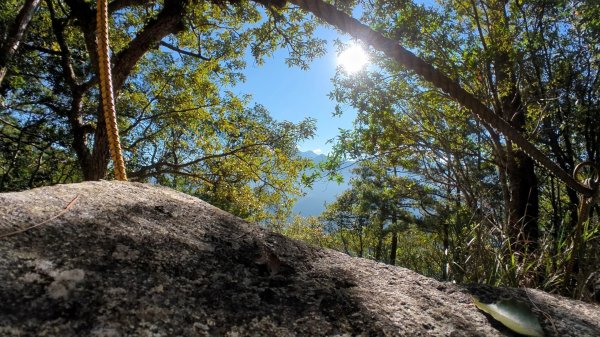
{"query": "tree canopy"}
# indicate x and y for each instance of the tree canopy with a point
(534, 64)
(174, 66)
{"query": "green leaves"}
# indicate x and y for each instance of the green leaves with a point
(176, 63)
(383, 204)
(532, 64)
(513, 314)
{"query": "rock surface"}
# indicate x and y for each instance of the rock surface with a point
(128, 259)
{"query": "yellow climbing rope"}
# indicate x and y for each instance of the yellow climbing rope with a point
(106, 90)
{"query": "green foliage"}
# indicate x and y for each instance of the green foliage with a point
(30, 156)
(420, 251)
(379, 218)
(174, 67)
(310, 230)
(533, 64)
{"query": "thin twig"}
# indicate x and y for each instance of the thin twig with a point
(65, 210)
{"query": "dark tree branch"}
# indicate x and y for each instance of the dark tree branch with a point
(120, 4)
(168, 21)
(184, 52)
(42, 49)
(162, 165)
(15, 35)
(65, 54)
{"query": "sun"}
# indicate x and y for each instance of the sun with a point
(353, 59)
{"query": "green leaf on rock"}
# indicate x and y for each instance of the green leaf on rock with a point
(513, 314)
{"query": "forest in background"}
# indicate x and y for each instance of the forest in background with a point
(435, 190)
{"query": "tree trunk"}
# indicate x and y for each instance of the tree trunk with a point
(523, 209)
(94, 159)
(97, 164)
(380, 235)
(15, 35)
(381, 232)
(523, 204)
(393, 248)
(446, 243)
(361, 251)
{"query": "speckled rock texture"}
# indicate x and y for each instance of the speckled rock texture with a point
(128, 259)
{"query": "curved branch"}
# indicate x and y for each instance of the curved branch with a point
(401, 55)
(120, 4)
(184, 52)
(168, 21)
(144, 171)
(15, 35)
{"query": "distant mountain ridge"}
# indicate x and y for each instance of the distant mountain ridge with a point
(323, 190)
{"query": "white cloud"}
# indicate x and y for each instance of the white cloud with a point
(317, 151)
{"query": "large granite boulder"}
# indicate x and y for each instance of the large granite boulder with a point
(128, 259)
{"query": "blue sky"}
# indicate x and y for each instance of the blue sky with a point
(293, 94)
